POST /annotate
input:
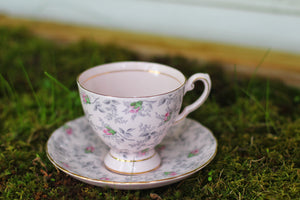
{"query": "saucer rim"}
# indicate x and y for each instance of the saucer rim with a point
(79, 177)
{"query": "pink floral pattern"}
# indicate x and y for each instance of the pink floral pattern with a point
(68, 129)
(143, 152)
(89, 149)
(85, 99)
(174, 167)
(66, 165)
(193, 153)
(170, 173)
(136, 106)
(160, 147)
(167, 116)
(104, 179)
(109, 131)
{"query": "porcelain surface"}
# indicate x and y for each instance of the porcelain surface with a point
(131, 106)
(75, 149)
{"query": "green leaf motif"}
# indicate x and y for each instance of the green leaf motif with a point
(170, 173)
(87, 100)
(137, 104)
(110, 130)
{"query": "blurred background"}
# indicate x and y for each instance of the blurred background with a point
(242, 35)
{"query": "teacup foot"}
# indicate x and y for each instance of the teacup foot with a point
(135, 163)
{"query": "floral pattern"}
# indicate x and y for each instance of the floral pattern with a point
(170, 173)
(65, 165)
(167, 116)
(89, 149)
(132, 124)
(104, 179)
(109, 131)
(138, 109)
(193, 153)
(189, 136)
(144, 152)
(68, 130)
(160, 147)
(136, 106)
(85, 99)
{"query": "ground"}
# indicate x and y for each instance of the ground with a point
(255, 120)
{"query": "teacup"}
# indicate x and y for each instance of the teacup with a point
(131, 105)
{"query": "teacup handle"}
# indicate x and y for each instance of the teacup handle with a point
(189, 85)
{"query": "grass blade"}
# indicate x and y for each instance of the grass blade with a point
(256, 68)
(29, 83)
(57, 82)
(6, 87)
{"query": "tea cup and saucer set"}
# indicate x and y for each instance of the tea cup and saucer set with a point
(133, 135)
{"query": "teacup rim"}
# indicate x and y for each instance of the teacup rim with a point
(133, 97)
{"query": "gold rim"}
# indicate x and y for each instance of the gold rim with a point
(132, 70)
(131, 183)
(123, 160)
(149, 71)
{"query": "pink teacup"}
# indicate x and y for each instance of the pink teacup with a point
(131, 105)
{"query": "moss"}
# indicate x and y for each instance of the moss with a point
(256, 122)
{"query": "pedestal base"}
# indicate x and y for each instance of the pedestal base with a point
(135, 164)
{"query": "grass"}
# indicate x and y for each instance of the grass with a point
(256, 122)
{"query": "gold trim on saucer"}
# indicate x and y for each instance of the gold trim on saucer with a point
(130, 183)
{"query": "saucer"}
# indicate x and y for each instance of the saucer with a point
(76, 150)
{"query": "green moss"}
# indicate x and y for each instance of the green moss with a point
(256, 122)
